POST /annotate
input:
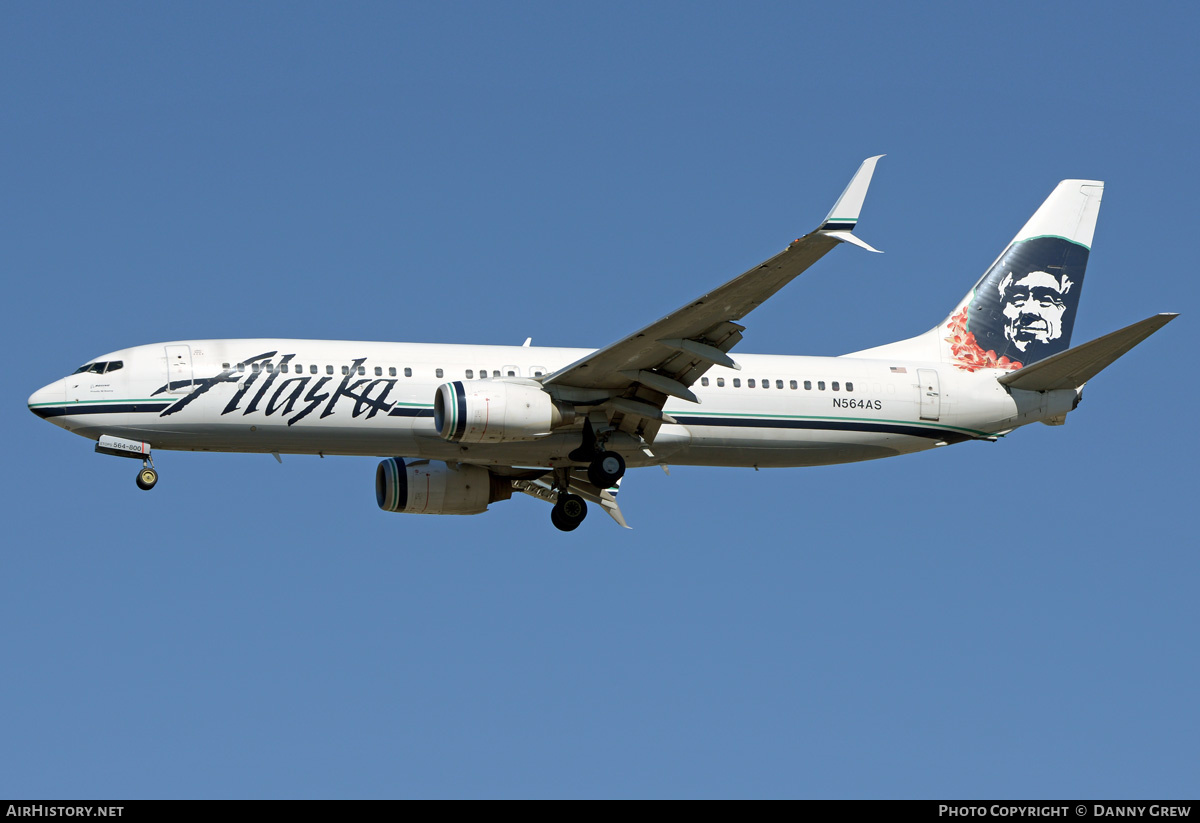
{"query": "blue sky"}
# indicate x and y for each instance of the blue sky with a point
(1004, 620)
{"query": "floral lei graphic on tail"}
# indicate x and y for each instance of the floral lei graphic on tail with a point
(967, 353)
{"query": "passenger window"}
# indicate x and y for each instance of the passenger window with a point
(362, 369)
(792, 384)
(849, 387)
(835, 385)
(537, 374)
(391, 371)
(224, 365)
(512, 373)
(808, 385)
(779, 384)
(703, 381)
(438, 372)
(821, 385)
(329, 369)
(283, 367)
(407, 372)
(241, 367)
(766, 384)
(483, 374)
(737, 382)
(470, 374)
(750, 383)
(379, 371)
(720, 382)
(345, 369)
(495, 372)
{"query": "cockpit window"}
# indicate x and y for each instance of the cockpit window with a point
(99, 368)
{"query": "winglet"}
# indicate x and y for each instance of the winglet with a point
(847, 237)
(844, 214)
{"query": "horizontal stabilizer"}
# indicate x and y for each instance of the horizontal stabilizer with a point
(1074, 367)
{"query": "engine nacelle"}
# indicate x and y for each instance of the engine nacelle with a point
(496, 411)
(422, 487)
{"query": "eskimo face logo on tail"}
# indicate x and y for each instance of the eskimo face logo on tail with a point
(1033, 307)
(1023, 309)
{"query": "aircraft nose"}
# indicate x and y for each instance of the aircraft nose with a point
(43, 398)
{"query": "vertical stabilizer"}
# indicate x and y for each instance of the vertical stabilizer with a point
(1023, 308)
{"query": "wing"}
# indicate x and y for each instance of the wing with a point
(639, 372)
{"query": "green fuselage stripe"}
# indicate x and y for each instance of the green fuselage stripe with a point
(741, 416)
(93, 402)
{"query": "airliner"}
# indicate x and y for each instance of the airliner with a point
(463, 426)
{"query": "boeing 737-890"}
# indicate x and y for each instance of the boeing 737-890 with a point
(463, 426)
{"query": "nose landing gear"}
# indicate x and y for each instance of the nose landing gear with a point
(119, 447)
(147, 477)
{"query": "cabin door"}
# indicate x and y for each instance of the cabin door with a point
(931, 394)
(179, 369)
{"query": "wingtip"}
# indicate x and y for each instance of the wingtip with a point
(844, 214)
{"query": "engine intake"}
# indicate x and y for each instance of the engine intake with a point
(422, 487)
(496, 411)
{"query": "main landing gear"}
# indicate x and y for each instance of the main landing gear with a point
(569, 509)
(568, 512)
(605, 468)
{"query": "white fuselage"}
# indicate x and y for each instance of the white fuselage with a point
(372, 398)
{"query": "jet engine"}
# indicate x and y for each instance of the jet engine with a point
(496, 411)
(422, 487)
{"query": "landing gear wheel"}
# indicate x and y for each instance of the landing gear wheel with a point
(146, 478)
(606, 469)
(568, 512)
